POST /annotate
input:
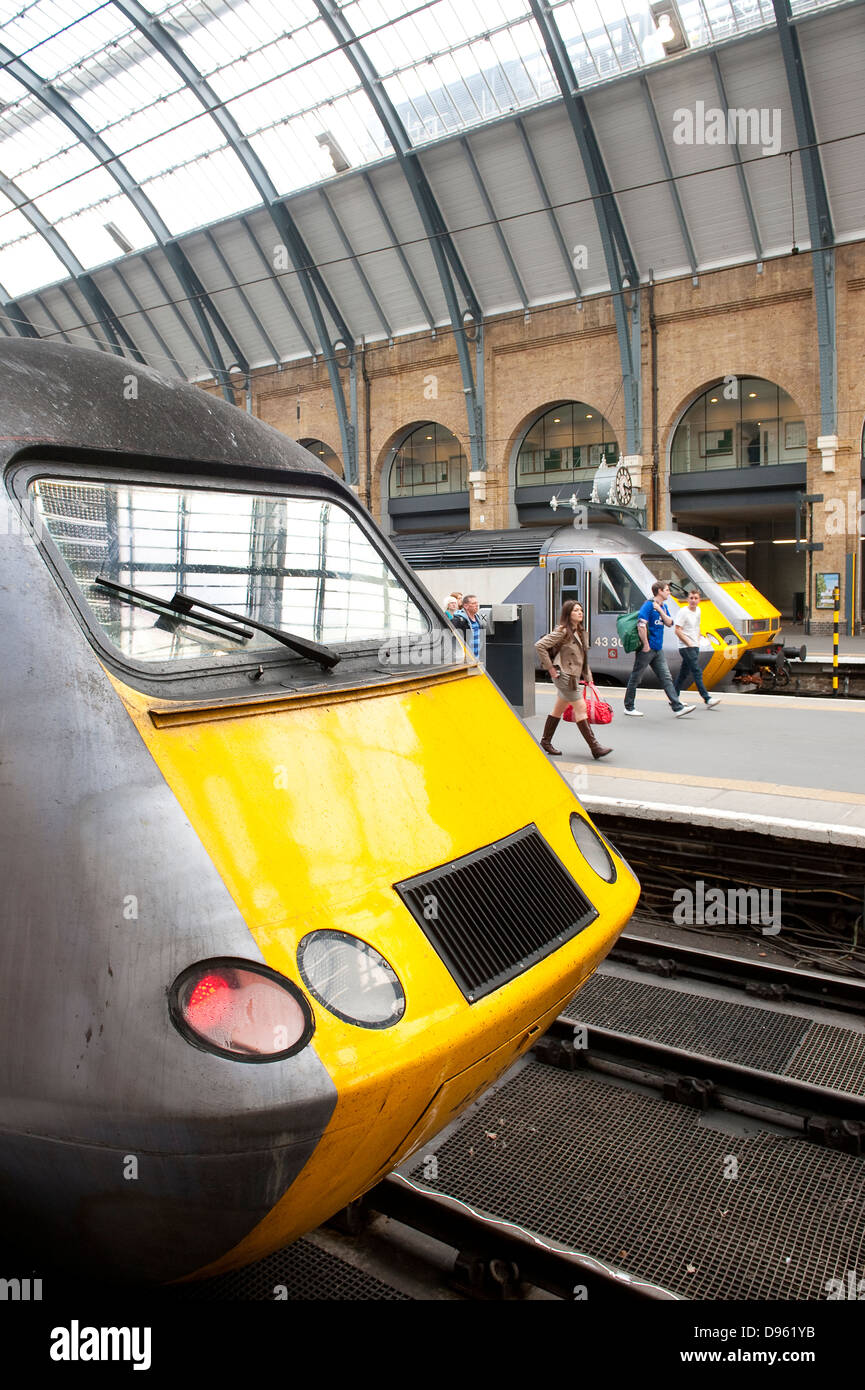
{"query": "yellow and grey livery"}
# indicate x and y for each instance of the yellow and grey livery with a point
(753, 617)
(286, 883)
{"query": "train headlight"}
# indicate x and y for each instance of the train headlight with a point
(351, 979)
(593, 848)
(240, 1009)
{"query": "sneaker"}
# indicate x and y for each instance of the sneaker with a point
(634, 713)
(686, 709)
(712, 702)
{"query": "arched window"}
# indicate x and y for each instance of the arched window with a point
(429, 461)
(566, 444)
(743, 422)
(324, 452)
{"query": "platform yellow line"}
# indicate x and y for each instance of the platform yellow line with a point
(723, 784)
(823, 703)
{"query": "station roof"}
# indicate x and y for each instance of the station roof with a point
(156, 157)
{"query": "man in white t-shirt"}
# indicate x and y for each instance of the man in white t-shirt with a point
(688, 633)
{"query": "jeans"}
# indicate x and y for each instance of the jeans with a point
(658, 662)
(691, 671)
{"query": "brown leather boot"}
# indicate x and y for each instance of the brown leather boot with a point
(549, 729)
(585, 729)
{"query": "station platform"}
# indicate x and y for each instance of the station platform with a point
(789, 766)
(851, 650)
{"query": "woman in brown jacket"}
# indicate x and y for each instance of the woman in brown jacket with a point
(567, 645)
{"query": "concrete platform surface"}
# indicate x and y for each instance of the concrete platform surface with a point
(819, 645)
(792, 765)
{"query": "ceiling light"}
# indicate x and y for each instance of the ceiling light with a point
(713, 400)
(557, 421)
(669, 26)
(790, 542)
(666, 32)
(337, 158)
(590, 417)
(116, 235)
(725, 543)
(752, 395)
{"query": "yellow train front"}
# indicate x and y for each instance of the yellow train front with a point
(320, 888)
(754, 619)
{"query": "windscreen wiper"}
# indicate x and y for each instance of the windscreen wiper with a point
(313, 651)
(166, 608)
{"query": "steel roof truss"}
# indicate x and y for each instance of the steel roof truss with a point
(170, 303)
(311, 280)
(548, 207)
(494, 221)
(819, 214)
(671, 182)
(737, 156)
(244, 298)
(108, 320)
(617, 251)
(151, 326)
(44, 309)
(394, 241)
(447, 259)
(16, 316)
(60, 107)
(82, 322)
(287, 304)
(352, 254)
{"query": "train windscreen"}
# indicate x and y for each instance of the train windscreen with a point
(299, 564)
(717, 566)
(669, 571)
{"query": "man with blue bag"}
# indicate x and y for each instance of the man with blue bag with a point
(653, 617)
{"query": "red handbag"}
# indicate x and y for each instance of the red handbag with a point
(568, 715)
(598, 711)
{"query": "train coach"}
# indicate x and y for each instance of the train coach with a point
(608, 567)
(752, 616)
(280, 898)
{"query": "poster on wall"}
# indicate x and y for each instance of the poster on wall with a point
(826, 586)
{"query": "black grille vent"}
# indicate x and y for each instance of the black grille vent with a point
(497, 911)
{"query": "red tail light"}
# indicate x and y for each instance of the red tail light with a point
(240, 1009)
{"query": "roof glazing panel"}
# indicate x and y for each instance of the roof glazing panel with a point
(26, 256)
(447, 66)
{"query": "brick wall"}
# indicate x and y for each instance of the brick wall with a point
(734, 322)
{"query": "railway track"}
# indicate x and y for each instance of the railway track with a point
(742, 1157)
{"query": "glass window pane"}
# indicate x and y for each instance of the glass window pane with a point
(429, 462)
(297, 563)
(567, 444)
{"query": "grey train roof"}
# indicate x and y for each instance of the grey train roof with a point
(51, 394)
(524, 546)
